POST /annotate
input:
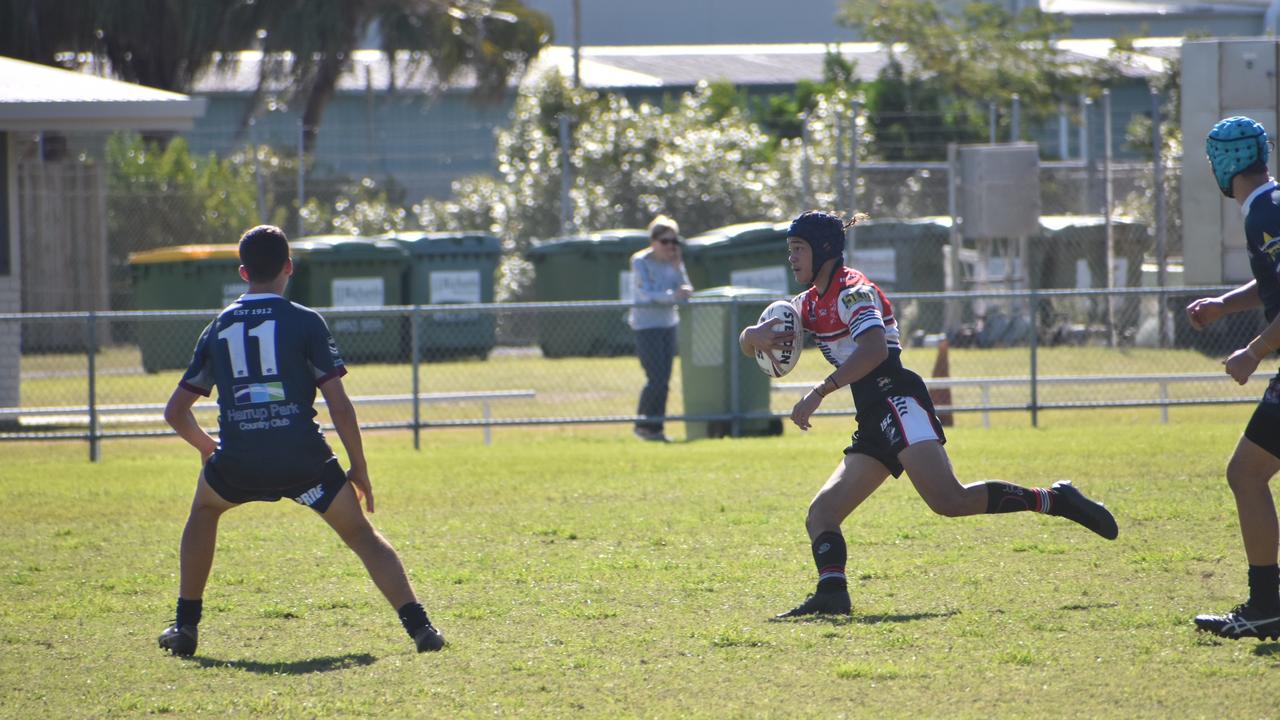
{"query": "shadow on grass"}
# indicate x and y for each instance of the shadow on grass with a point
(1267, 649)
(841, 620)
(297, 667)
(1090, 606)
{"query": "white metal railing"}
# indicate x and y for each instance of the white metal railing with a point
(71, 415)
(984, 384)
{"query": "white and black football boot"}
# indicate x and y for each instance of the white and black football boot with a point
(1243, 621)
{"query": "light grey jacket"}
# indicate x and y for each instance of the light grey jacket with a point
(653, 281)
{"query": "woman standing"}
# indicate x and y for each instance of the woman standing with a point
(659, 281)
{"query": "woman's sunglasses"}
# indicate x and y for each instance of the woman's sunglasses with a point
(668, 240)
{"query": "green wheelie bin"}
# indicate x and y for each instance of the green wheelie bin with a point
(596, 266)
(744, 255)
(708, 339)
(342, 271)
(182, 277)
(447, 268)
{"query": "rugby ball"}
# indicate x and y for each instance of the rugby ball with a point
(779, 362)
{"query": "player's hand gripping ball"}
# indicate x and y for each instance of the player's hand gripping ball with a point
(780, 361)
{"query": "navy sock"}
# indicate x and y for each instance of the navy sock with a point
(189, 612)
(1005, 498)
(1264, 587)
(413, 617)
(829, 554)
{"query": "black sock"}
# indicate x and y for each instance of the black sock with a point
(1005, 498)
(829, 554)
(188, 612)
(413, 617)
(1264, 587)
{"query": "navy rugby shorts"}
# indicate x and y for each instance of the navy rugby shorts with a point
(316, 493)
(899, 415)
(1264, 427)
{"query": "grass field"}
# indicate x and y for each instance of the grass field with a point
(578, 573)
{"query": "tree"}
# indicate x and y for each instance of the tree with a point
(309, 43)
(951, 66)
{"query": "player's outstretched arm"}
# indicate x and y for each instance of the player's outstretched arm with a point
(343, 414)
(871, 350)
(1242, 363)
(1204, 312)
(177, 412)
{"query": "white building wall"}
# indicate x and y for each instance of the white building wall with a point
(1220, 78)
(696, 22)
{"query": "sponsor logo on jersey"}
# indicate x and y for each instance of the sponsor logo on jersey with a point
(884, 383)
(889, 429)
(1271, 246)
(259, 393)
(856, 295)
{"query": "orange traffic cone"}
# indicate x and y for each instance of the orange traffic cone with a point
(942, 395)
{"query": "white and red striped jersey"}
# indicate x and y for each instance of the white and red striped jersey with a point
(851, 306)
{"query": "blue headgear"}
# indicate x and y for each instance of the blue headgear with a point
(825, 234)
(1233, 146)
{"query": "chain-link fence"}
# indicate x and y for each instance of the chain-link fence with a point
(89, 201)
(490, 365)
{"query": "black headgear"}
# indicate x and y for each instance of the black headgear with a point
(825, 234)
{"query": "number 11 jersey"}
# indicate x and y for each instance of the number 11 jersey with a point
(267, 356)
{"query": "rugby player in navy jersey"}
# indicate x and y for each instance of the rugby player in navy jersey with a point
(1237, 148)
(267, 356)
(853, 324)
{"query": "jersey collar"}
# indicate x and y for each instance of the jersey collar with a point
(259, 296)
(1267, 186)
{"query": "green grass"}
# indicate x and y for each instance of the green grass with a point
(581, 574)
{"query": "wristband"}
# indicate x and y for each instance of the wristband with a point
(822, 389)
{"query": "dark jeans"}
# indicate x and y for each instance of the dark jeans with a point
(656, 348)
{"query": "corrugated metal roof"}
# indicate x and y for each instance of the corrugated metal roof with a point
(368, 69)
(654, 66)
(40, 97)
(1141, 7)
(686, 65)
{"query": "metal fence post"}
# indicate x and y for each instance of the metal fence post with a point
(1035, 365)
(991, 123)
(566, 178)
(851, 236)
(1086, 154)
(805, 170)
(1015, 119)
(1157, 181)
(1112, 337)
(735, 424)
(92, 350)
(951, 316)
(258, 179)
(415, 363)
(302, 174)
(1064, 133)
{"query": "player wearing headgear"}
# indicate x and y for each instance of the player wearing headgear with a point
(267, 357)
(853, 324)
(1237, 148)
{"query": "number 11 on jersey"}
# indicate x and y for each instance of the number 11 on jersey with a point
(265, 333)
